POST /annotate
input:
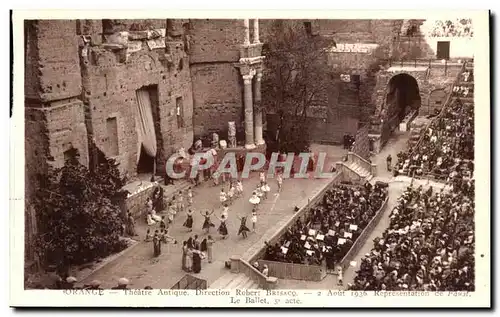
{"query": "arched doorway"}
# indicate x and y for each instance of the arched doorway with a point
(403, 96)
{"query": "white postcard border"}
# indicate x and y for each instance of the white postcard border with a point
(479, 298)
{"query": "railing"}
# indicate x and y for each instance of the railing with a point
(190, 282)
(445, 106)
(239, 265)
(294, 271)
(360, 241)
(348, 174)
(353, 157)
(429, 62)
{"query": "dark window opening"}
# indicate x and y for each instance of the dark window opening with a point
(412, 30)
(112, 136)
(356, 80)
(308, 28)
(68, 154)
(443, 50)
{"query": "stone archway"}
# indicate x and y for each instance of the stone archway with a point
(398, 91)
(402, 97)
(381, 90)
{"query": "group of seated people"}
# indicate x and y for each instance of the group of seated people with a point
(463, 91)
(429, 245)
(330, 228)
(447, 148)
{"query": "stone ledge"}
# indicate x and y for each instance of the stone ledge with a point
(106, 261)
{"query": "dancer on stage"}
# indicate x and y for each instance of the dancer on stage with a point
(171, 212)
(265, 189)
(243, 227)
(262, 177)
(156, 244)
(254, 220)
(222, 227)
(210, 243)
(189, 221)
(279, 180)
(180, 202)
(258, 192)
(222, 196)
(230, 193)
(190, 196)
(225, 210)
(207, 224)
(239, 188)
(254, 200)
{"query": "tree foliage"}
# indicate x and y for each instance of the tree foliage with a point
(78, 211)
(296, 81)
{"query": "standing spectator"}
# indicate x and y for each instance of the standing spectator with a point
(210, 243)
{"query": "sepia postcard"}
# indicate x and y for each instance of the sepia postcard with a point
(250, 159)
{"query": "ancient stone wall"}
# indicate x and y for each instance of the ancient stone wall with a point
(362, 142)
(154, 59)
(330, 27)
(54, 114)
(385, 34)
(218, 96)
(362, 47)
(217, 84)
(53, 88)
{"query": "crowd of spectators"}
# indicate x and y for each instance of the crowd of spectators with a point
(447, 148)
(429, 245)
(330, 228)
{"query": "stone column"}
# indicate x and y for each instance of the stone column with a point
(259, 140)
(247, 80)
(247, 31)
(256, 31)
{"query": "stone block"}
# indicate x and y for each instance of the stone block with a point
(138, 35)
(96, 39)
(271, 283)
(88, 27)
(235, 262)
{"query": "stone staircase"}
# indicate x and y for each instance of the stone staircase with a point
(360, 171)
(356, 169)
(171, 190)
(415, 134)
(234, 281)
